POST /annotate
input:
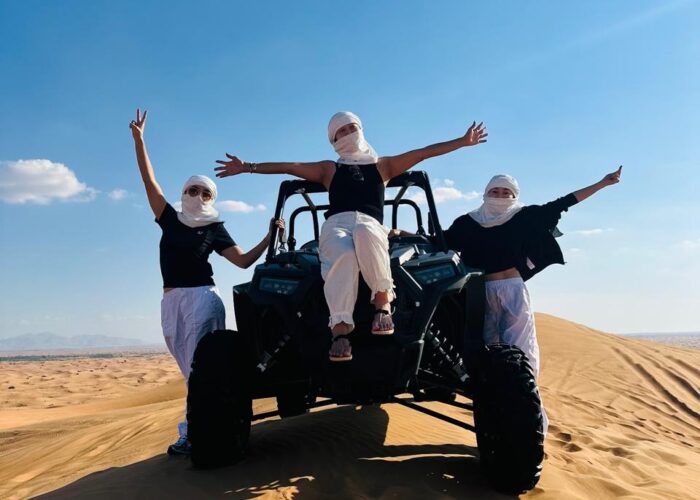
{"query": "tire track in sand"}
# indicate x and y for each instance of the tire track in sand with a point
(668, 396)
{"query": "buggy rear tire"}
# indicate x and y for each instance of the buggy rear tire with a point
(219, 404)
(508, 419)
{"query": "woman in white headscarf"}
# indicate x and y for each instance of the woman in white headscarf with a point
(191, 305)
(353, 239)
(512, 242)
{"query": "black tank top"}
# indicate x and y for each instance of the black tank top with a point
(357, 188)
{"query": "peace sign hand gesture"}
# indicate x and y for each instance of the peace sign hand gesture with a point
(137, 126)
(476, 134)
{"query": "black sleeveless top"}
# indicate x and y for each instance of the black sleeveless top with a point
(357, 188)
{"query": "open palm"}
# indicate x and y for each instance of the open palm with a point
(476, 134)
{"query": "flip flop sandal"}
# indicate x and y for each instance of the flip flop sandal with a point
(335, 358)
(388, 331)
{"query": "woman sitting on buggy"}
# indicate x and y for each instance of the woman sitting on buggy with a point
(353, 238)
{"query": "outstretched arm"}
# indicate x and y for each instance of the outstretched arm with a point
(608, 180)
(155, 194)
(237, 256)
(391, 166)
(320, 171)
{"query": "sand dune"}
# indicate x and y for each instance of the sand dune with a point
(625, 423)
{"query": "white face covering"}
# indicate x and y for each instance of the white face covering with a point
(352, 149)
(497, 211)
(195, 211)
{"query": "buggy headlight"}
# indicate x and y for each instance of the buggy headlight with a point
(278, 285)
(431, 274)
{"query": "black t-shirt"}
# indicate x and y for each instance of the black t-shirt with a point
(184, 250)
(525, 242)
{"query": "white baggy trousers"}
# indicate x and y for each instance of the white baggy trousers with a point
(186, 315)
(509, 319)
(350, 243)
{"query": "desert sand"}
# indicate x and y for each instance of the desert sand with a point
(625, 423)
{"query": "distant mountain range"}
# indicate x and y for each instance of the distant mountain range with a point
(39, 341)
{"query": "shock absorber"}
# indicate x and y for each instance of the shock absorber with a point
(445, 356)
(267, 357)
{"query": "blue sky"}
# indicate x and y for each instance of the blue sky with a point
(568, 92)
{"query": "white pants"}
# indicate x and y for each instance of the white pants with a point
(350, 243)
(509, 319)
(186, 315)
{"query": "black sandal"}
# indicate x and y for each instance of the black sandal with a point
(347, 357)
(388, 331)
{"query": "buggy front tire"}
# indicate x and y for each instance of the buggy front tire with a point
(508, 419)
(219, 403)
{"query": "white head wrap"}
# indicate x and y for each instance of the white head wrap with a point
(352, 148)
(497, 211)
(195, 211)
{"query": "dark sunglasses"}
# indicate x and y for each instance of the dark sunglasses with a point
(196, 191)
(356, 173)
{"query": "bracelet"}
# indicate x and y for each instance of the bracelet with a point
(252, 167)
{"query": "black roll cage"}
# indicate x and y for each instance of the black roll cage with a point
(417, 178)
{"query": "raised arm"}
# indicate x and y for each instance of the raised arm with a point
(155, 194)
(608, 180)
(237, 256)
(320, 171)
(391, 166)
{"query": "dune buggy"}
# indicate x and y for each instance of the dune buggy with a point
(437, 352)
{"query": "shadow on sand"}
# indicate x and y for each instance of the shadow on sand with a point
(338, 453)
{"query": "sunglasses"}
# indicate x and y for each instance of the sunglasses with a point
(356, 173)
(196, 191)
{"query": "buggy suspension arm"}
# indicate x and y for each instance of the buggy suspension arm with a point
(433, 379)
(268, 414)
(435, 414)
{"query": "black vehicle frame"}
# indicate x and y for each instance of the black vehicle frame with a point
(436, 353)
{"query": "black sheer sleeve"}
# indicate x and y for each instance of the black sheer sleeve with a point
(547, 216)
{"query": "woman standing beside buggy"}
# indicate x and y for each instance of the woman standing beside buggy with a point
(512, 242)
(191, 305)
(353, 239)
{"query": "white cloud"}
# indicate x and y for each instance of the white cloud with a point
(41, 182)
(239, 207)
(447, 193)
(689, 245)
(118, 194)
(592, 232)
(444, 191)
